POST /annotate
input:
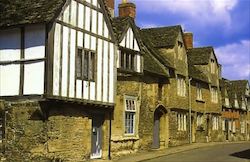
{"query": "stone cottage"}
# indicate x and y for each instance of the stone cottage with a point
(171, 51)
(207, 103)
(234, 109)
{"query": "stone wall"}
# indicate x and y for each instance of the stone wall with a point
(177, 137)
(25, 133)
(47, 131)
(120, 143)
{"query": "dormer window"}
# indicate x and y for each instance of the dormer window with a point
(128, 61)
(243, 104)
(214, 95)
(213, 66)
(236, 104)
(199, 91)
(180, 52)
(226, 99)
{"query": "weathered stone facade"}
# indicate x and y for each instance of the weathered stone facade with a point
(45, 131)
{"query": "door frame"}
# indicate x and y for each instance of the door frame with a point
(97, 119)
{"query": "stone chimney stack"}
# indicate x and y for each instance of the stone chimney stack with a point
(111, 6)
(188, 39)
(127, 9)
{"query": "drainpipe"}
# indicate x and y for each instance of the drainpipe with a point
(190, 110)
(110, 132)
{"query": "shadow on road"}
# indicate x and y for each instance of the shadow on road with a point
(243, 154)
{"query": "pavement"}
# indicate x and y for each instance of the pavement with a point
(151, 154)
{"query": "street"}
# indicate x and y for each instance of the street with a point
(219, 153)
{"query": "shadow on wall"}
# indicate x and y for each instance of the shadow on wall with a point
(243, 154)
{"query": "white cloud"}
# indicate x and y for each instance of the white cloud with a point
(203, 12)
(235, 59)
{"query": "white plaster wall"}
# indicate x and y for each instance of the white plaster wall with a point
(56, 64)
(10, 44)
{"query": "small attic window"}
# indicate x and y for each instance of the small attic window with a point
(180, 52)
(212, 66)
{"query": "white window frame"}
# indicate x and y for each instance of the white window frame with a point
(212, 66)
(198, 91)
(242, 127)
(133, 112)
(181, 86)
(181, 122)
(199, 121)
(236, 103)
(223, 124)
(214, 94)
(234, 126)
(215, 120)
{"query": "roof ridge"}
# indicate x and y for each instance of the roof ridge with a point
(162, 27)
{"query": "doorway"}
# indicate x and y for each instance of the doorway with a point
(159, 127)
(96, 139)
(227, 129)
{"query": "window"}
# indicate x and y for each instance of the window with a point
(236, 104)
(223, 124)
(243, 104)
(181, 86)
(227, 101)
(127, 61)
(215, 121)
(234, 127)
(130, 112)
(199, 121)
(180, 52)
(181, 121)
(230, 125)
(198, 91)
(214, 95)
(160, 91)
(85, 67)
(242, 127)
(212, 66)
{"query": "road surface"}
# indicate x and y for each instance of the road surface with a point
(219, 153)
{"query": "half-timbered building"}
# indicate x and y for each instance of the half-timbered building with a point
(61, 57)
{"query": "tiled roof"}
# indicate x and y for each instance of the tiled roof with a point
(20, 12)
(151, 64)
(163, 36)
(148, 43)
(120, 24)
(199, 56)
(197, 73)
(237, 87)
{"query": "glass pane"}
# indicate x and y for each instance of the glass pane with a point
(86, 65)
(79, 64)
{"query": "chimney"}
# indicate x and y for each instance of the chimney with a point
(127, 9)
(111, 7)
(188, 39)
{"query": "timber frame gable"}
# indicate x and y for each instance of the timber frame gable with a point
(61, 15)
(131, 50)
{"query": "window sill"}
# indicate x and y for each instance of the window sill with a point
(125, 138)
(200, 100)
(91, 80)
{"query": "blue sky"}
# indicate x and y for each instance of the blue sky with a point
(223, 24)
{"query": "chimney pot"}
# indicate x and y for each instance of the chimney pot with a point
(127, 9)
(188, 39)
